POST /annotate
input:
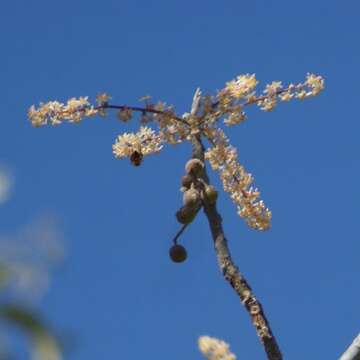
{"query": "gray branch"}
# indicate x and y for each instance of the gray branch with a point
(228, 268)
(231, 272)
(353, 351)
(196, 102)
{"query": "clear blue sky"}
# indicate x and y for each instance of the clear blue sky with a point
(117, 290)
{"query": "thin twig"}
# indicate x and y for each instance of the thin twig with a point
(194, 110)
(178, 234)
(231, 272)
(256, 99)
(143, 110)
(353, 351)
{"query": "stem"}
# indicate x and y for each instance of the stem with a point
(161, 112)
(139, 109)
(179, 233)
(256, 99)
(231, 272)
(353, 351)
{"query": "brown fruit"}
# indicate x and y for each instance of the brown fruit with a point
(186, 215)
(178, 253)
(191, 198)
(194, 167)
(186, 181)
(211, 194)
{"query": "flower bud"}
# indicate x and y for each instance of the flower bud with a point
(194, 167)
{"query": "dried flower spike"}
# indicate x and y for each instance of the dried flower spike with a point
(103, 98)
(228, 105)
(215, 349)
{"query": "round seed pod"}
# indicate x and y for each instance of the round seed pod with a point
(187, 180)
(194, 167)
(186, 215)
(211, 194)
(177, 253)
(191, 198)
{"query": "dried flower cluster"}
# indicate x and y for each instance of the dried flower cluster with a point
(145, 142)
(215, 349)
(227, 105)
(236, 181)
(240, 92)
(55, 113)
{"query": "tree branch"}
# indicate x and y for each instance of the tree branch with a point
(143, 110)
(353, 351)
(231, 272)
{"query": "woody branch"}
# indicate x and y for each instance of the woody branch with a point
(232, 274)
(228, 268)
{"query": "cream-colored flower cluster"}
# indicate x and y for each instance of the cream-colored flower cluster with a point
(228, 105)
(241, 92)
(242, 87)
(215, 349)
(236, 116)
(145, 142)
(236, 181)
(173, 129)
(54, 112)
(274, 91)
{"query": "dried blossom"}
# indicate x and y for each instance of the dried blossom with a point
(145, 142)
(242, 86)
(54, 112)
(236, 181)
(215, 349)
(228, 105)
(102, 98)
(125, 114)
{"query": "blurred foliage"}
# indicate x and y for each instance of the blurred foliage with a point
(44, 346)
(25, 261)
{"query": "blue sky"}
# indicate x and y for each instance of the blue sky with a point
(117, 293)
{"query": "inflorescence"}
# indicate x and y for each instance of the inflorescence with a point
(215, 349)
(227, 105)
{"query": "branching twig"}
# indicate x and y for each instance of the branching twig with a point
(146, 141)
(139, 109)
(232, 273)
(353, 351)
